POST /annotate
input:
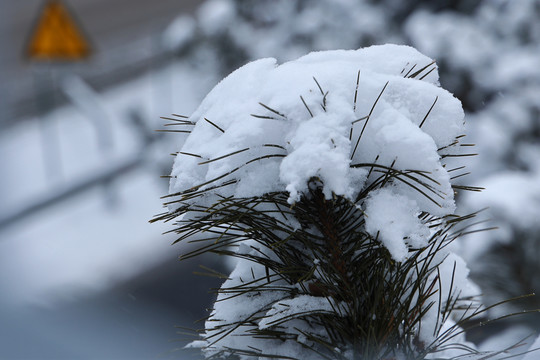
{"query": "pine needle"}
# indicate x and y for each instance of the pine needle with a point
(217, 127)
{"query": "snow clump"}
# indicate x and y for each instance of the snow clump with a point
(268, 128)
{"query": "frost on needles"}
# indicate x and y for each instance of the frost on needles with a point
(325, 177)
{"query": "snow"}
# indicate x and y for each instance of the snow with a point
(241, 117)
(452, 352)
(179, 32)
(535, 347)
(393, 218)
(452, 32)
(512, 342)
(231, 307)
(506, 197)
(287, 29)
(214, 15)
(282, 310)
(92, 252)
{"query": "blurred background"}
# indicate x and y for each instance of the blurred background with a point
(82, 273)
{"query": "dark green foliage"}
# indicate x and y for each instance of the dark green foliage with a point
(330, 255)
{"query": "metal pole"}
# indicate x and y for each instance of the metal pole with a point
(44, 84)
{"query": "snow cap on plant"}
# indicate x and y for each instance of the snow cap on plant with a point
(325, 176)
(328, 115)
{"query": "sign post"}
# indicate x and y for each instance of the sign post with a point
(56, 37)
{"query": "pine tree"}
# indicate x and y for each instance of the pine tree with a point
(325, 177)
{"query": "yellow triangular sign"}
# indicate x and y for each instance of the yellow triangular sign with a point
(57, 36)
